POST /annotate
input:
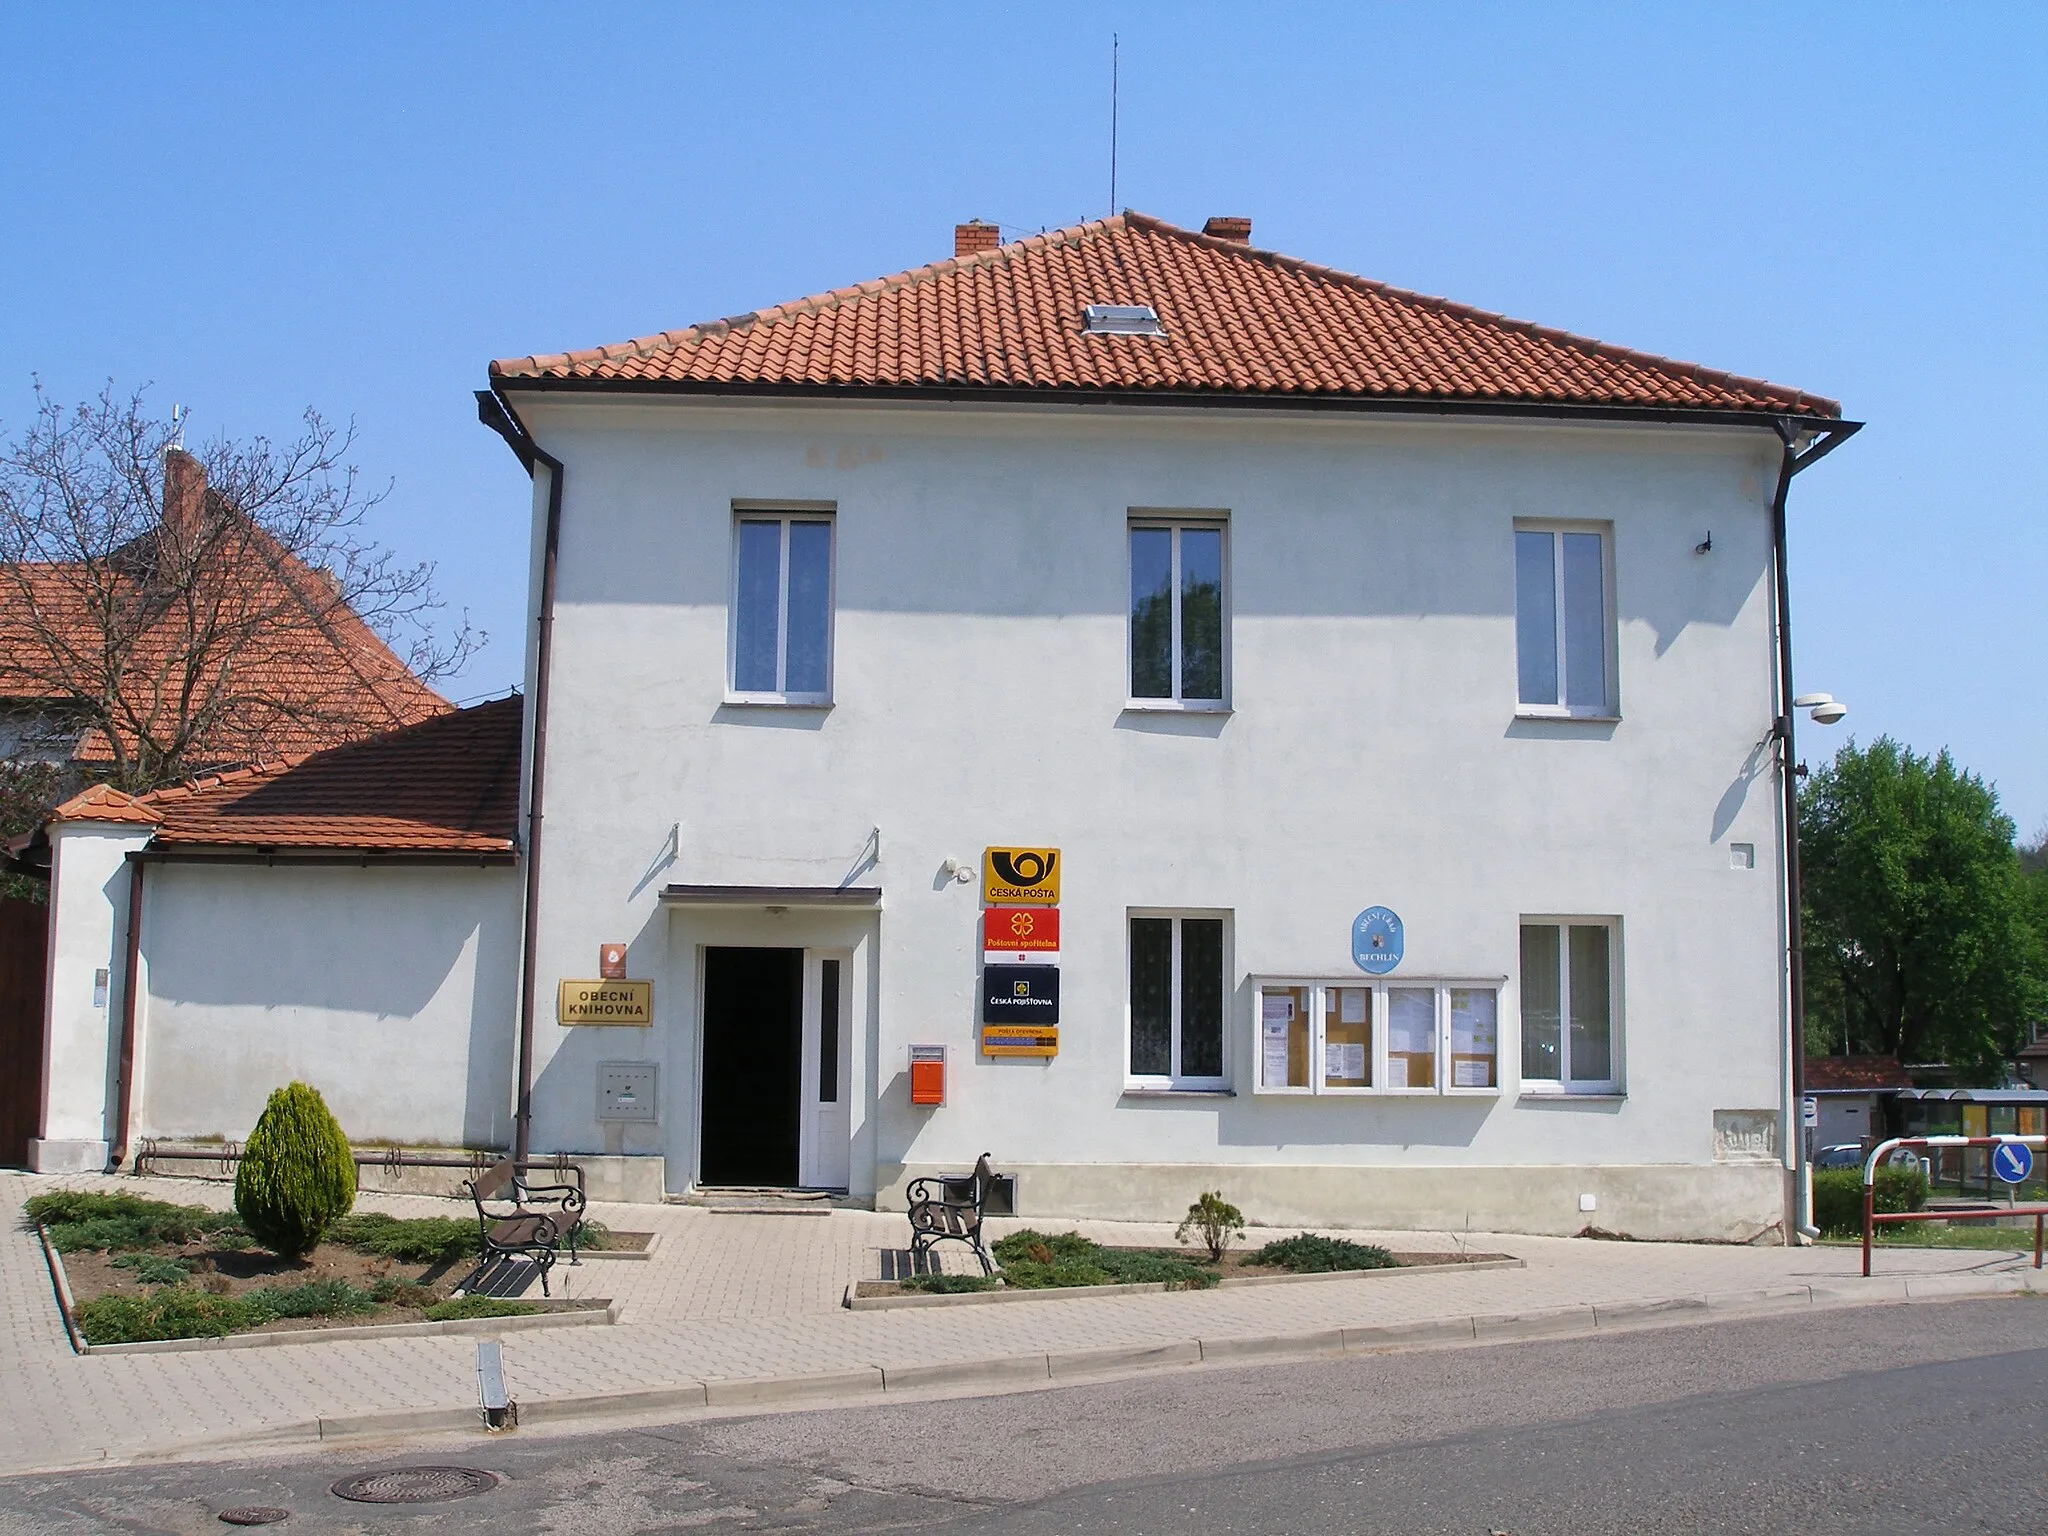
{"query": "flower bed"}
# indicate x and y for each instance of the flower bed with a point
(1031, 1260)
(144, 1270)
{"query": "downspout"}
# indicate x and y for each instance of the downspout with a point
(1794, 459)
(496, 414)
(130, 969)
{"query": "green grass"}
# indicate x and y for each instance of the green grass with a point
(477, 1306)
(1977, 1235)
(1039, 1261)
(417, 1240)
(171, 1312)
(80, 1221)
(948, 1285)
(1313, 1254)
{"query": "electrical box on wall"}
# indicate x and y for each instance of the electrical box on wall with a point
(928, 1074)
(626, 1090)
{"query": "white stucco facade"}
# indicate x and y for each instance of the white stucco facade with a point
(1373, 754)
(390, 988)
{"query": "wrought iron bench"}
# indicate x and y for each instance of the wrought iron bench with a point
(950, 1209)
(515, 1216)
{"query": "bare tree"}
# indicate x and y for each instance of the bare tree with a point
(188, 610)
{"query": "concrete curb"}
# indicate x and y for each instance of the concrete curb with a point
(855, 1303)
(581, 1317)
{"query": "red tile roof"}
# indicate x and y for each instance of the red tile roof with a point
(103, 802)
(1238, 321)
(447, 785)
(312, 674)
(1855, 1073)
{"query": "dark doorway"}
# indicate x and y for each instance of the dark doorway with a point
(753, 1048)
(24, 926)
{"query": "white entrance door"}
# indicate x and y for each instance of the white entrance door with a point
(825, 1095)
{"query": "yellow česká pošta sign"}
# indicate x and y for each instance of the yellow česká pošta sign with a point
(1020, 877)
(606, 1002)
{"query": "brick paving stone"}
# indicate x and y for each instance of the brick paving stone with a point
(730, 1296)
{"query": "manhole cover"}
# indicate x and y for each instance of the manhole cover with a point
(255, 1514)
(415, 1485)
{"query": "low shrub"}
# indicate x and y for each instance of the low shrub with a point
(80, 1221)
(1313, 1254)
(1213, 1219)
(298, 1176)
(461, 1307)
(1838, 1196)
(154, 1268)
(315, 1298)
(948, 1285)
(1037, 1261)
(170, 1312)
(418, 1240)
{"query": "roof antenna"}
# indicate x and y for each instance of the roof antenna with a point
(1114, 42)
(177, 427)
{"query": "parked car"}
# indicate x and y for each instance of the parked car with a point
(1843, 1154)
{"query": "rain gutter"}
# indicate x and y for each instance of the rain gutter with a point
(1803, 442)
(495, 412)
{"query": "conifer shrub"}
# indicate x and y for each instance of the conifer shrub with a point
(298, 1176)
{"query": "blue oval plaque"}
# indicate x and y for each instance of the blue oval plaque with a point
(1376, 941)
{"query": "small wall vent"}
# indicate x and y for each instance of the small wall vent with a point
(1121, 320)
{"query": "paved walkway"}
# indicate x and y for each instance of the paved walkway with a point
(737, 1309)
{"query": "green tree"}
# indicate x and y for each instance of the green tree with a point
(1922, 935)
(28, 793)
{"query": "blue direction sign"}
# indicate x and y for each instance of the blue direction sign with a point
(1376, 941)
(2012, 1161)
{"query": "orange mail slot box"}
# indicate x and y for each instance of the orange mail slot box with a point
(928, 1074)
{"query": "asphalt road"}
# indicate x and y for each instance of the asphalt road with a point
(1885, 1419)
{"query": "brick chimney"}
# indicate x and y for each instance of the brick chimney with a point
(184, 496)
(1236, 231)
(974, 238)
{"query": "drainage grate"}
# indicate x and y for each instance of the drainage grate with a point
(415, 1485)
(254, 1514)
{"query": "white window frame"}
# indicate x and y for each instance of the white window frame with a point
(1377, 1012)
(783, 515)
(1613, 1085)
(1176, 1081)
(1610, 706)
(1176, 522)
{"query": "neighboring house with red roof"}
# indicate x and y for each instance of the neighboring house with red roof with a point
(1374, 706)
(347, 917)
(253, 657)
(1852, 1094)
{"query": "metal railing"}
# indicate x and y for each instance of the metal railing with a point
(1873, 1218)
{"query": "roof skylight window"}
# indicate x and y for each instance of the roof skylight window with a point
(1121, 320)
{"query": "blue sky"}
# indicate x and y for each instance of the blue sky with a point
(254, 209)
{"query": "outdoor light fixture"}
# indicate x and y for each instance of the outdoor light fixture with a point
(953, 869)
(1824, 707)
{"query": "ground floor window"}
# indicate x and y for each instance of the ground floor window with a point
(1178, 984)
(1345, 1036)
(1570, 977)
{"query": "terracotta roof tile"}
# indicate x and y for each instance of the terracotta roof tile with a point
(310, 682)
(448, 784)
(1238, 321)
(103, 802)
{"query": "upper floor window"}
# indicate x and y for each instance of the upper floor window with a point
(782, 608)
(1562, 625)
(1179, 613)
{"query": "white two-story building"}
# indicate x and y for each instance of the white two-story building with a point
(1394, 682)
(1370, 710)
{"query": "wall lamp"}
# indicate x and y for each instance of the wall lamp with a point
(1825, 708)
